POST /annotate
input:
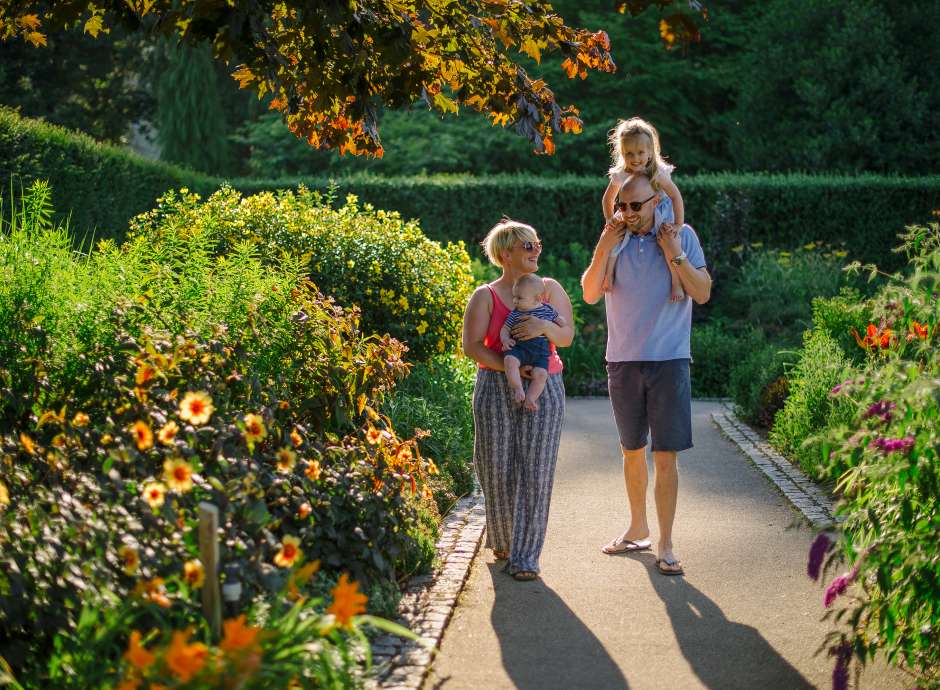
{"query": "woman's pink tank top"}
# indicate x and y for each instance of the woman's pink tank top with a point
(491, 339)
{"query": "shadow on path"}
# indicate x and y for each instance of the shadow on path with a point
(722, 653)
(543, 643)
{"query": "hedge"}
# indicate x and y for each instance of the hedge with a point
(105, 186)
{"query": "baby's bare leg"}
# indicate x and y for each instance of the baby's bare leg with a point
(536, 386)
(511, 365)
(676, 291)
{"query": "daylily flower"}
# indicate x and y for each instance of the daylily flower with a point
(183, 659)
(155, 494)
(920, 330)
(874, 337)
(254, 428)
(348, 601)
(142, 434)
(238, 636)
(136, 655)
(285, 460)
(193, 573)
(153, 590)
(130, 558)
(178, 474)
(145, 373)
(196, 408)
(289, 553)
(299, 578)
(168, 432)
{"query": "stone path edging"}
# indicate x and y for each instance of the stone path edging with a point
(800, 490)
(429, 600)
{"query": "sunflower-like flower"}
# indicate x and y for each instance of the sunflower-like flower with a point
(296, 438)
(196, 408)
(168, 432)
(289, 553)
(130, 559)
(80, 419)
(193, 573)
(178, 474)
(155, 494)
(348, 601)
(254, 428)
(313, 470)
(142, 434)
(145, 374)
(373, 435)
(286, 458)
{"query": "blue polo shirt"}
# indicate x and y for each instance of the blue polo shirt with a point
(642, 324)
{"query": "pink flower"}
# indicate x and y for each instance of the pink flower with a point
(838, 586)
(881, 409)
(895, 445)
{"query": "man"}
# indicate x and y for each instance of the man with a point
(648, 355)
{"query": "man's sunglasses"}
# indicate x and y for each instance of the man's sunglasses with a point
(531, 246)
(635, 206)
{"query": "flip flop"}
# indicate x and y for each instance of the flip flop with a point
(525, 575)
(669, 567)
(625, 545)
(501, 555)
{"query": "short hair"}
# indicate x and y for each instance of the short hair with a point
(503, 236)
(530, 280)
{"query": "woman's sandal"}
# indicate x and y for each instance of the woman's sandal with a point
(525, 575)
(501, 555)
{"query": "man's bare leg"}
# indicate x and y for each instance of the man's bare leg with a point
(666, 493)
(635, 478)
(536, 386)
(511, 364)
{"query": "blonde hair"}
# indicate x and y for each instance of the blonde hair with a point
(503, 236)
(629, 129)
(531, 281)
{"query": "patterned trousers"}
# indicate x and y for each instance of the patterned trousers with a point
(514, 454)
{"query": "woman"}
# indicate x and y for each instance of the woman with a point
(514, 449)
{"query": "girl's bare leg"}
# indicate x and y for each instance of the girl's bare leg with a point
(676, 292)
(609, 272)
(511, 365)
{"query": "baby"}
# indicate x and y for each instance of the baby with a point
(526, 292)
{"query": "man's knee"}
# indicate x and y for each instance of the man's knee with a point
(665, 460)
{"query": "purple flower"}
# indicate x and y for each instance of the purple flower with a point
(895, 445)
(881, 409)
(839, 585)
(821, 545)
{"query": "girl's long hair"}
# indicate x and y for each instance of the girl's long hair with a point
(628, 129)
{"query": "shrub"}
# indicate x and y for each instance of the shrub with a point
(716, 349)
(885, 460)
(403, 283)
(809, 408)
(758, 384)
(840, 315)
(105, 362)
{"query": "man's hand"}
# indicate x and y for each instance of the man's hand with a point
(528, 327)
(668, 240)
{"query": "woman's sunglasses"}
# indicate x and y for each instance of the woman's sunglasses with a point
(531, 246)
(635, 206)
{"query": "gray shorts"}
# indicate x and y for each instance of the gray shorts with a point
(652, 398)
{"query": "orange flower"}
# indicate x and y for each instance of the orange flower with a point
(348, 601)
(143, 436)
(296, 438)
(106, 439)
(874, 338)
(254, 428)
(4, 495)
(155, 494)
(80, 419)
(432, 468)
(154, 591)
(313, 470)
(920, 330)
(130, 684)
(285, 460)
(289, 553)
(404, 453)
(300, 577)
(373, 435)
(28, 444)
(178, 474)
(196, 408)
(130, 558)
(183, 659)
(145, 372)
(138, 657)
(193, 573)
(168, 432)
(238, 636)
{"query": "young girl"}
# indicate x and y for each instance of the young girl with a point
(634, 145)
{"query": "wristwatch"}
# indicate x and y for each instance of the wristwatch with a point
(677, 260)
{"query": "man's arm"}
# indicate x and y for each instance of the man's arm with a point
(592, 282)
(695, 281)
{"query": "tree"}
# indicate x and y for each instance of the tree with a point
(330, 66)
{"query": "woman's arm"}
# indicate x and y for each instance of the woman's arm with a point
(476, 321)
(672, 191)
(531, 327)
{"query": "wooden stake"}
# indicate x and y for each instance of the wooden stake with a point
(209, 555)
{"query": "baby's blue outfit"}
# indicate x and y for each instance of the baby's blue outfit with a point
(534, 351)
(664, 213)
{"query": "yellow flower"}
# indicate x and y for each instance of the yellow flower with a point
(196, 408)
(296, 438)
(285, 460)
(28, 444)
(238, 636)
(153, 590)
(348, 601)
(432, 468)
(422, 327)
(145, 373)
(193, 573)
(403, 303)
(757, 245)
(130, 559)
(809, 246)
(373, 435)
(738, 248)
(4, 495)
(313, 470)
(80, 419)
(155, 494)
(142, 434)
(289, 553)
(183, 659)
(840, 253)
(168, 432)
(106, 439)
(178, 474)
(299, 578)
(304, 510)
(254, 428)
(138, 657)
(404, 453)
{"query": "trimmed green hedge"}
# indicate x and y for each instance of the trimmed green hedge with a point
(105, 186)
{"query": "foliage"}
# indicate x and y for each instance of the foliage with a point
(716, 348)
(758, 384)
(809, 408)
(436, 397)
(884, 458)
(403, 284)
(139, 381)
(840, 315)
(385, 53)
